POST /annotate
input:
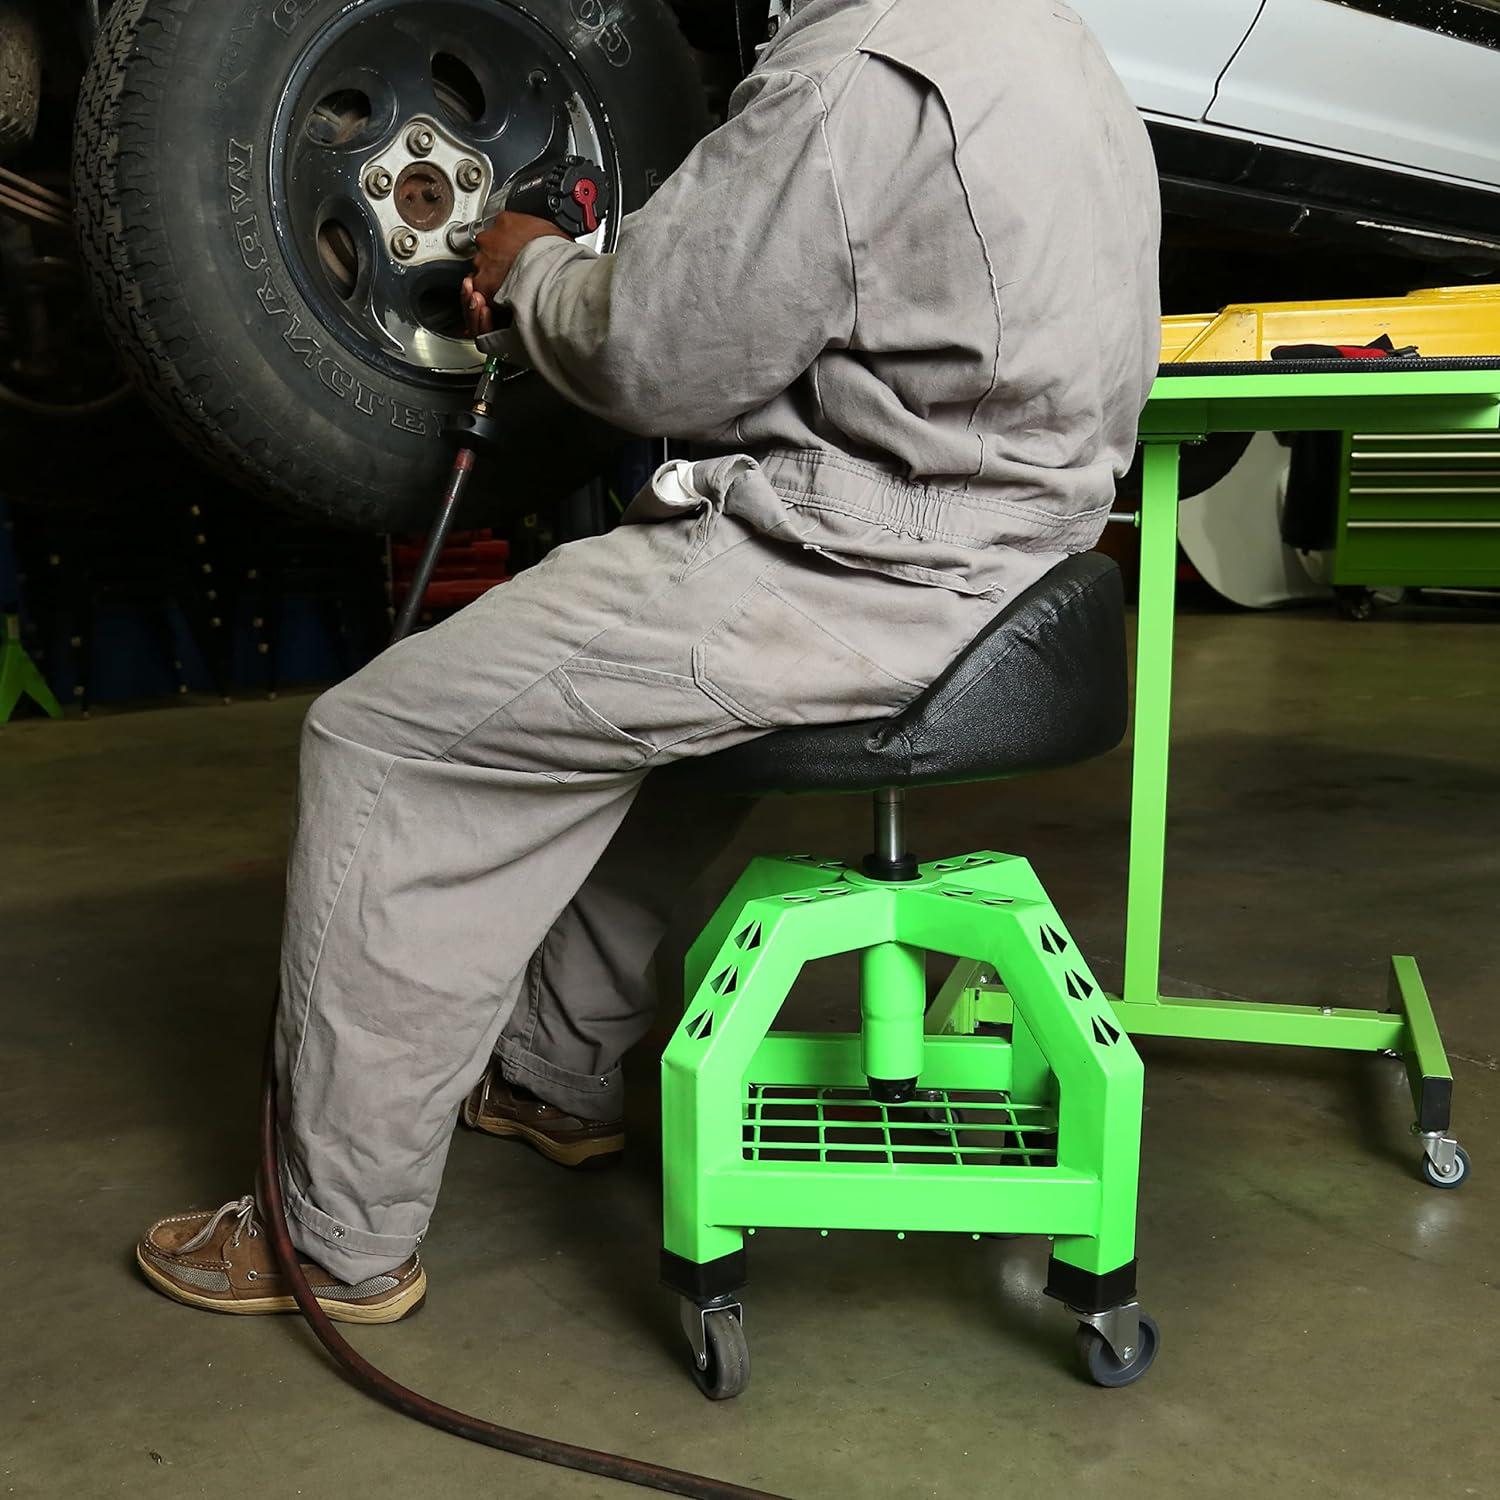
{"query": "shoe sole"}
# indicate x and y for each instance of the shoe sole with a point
(598, 1152)
(401, 1306)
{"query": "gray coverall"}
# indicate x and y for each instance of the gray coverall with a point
(909, 291)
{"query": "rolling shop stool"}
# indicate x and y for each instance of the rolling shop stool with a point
(1033, 1128)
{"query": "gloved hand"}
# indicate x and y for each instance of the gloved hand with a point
(499, 245)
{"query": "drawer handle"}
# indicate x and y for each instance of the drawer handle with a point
(1423, 525)
(1490, 493)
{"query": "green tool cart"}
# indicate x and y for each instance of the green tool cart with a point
(1012, 1103)
(1189, 403)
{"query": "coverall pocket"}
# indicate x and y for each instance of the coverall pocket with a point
(646, 711)
(805, 644)
(589, 717)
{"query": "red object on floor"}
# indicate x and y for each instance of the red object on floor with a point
(470, 565)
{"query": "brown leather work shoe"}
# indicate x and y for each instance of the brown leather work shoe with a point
(222, 1261)
(499, 1108)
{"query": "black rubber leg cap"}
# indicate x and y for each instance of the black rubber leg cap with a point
(1084, 1291)
(705, 1282)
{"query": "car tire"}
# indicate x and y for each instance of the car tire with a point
(186, 175)
(20, 75)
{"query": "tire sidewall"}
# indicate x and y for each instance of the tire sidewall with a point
(305, 404)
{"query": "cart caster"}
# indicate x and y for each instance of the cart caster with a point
(721, 1353)
(1103, 1365)
(1354, 603)
(1450, 1173)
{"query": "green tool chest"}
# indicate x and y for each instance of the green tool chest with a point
(1419, 510)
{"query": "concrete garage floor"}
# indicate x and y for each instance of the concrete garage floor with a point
(1331, 1325)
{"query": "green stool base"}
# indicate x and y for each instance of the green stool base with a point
(1034, 1129)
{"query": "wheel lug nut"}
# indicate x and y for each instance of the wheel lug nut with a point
(537, 79)
(404, 244)
(420, 140)
(379, 182)
(470, 174)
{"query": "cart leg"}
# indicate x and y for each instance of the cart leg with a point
(1155, 626)
(1445, 1164)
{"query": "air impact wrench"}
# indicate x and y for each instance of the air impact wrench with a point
(572, 193)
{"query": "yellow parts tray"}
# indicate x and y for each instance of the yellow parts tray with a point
(1446, 323)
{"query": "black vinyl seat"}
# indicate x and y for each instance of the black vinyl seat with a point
(1043, 685)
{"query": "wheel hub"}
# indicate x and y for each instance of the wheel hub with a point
(425, 196)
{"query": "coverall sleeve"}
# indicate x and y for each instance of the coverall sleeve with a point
(723, 290)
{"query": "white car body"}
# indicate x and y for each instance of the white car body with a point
(1369, 124)
(1329, 76)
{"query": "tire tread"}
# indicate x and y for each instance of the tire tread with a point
(123, 243)
(20, 74)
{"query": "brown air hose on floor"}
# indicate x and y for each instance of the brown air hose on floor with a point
(409, 1403)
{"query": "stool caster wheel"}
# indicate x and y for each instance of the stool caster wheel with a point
(1454, 1174)
(1103, 1366)
(721, 1353)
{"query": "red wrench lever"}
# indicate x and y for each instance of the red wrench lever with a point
(586, 195)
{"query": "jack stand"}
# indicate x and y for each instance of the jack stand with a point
(20, 677)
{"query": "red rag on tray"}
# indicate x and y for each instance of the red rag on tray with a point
(1382, 348)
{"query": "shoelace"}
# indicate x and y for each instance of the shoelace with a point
(242, 1208)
